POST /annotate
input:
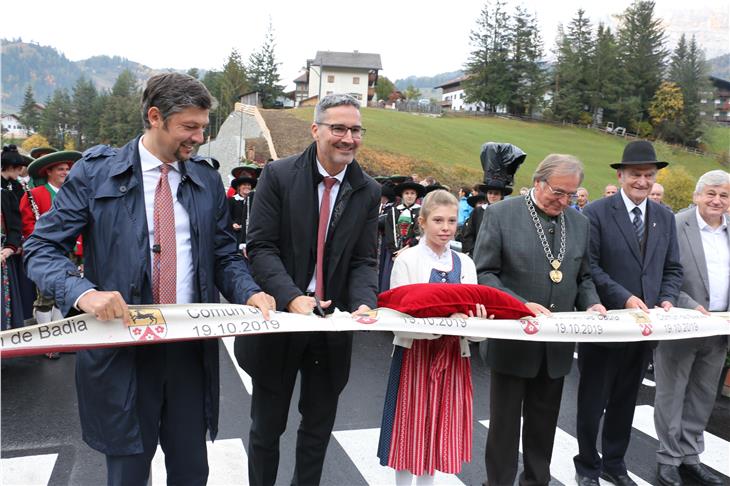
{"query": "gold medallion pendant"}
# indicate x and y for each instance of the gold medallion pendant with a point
(555, 274)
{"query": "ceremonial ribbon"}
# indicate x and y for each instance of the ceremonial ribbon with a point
(181, 322)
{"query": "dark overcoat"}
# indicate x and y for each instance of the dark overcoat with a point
(281, 246)
(103, 199)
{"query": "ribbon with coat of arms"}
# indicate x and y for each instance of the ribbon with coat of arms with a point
(181, 322)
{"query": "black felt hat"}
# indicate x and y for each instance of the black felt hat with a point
(495, 185)
(399, 179)
(12, 157)
(253, 168)
(473, 200)
(38, 152)
(639, 152)
(500, 161)
(243, 180)
(420, 190)
(435, 187)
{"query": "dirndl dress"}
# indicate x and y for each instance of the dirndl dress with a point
(428, 411)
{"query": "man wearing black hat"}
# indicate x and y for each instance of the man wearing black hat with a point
(240, 206)
(500, 162)
(401, 230)
(469, 236)
(635, 265)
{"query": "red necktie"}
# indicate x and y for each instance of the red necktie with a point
(164, 270)
(324, 215)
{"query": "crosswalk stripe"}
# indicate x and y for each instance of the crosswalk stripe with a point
(245, 379)
(27, 470)
(565, 447)
(361, 447)
(717, 450)
(227, 464)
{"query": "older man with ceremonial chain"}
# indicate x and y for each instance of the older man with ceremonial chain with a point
(536, 249)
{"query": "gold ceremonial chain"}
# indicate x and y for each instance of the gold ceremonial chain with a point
(555, 274)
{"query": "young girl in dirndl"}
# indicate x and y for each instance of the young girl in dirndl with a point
(427, 417)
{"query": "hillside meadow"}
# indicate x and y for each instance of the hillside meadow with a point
(448, 147)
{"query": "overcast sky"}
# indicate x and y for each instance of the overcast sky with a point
(413, 38)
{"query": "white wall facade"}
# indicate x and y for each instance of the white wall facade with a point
(13, 128)
(339, 80)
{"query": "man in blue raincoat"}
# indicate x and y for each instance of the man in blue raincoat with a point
(154, 219)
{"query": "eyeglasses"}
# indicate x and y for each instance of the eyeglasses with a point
(572, 196)
(341, 130)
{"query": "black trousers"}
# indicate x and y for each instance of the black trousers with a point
(170, 407)
(537, 400)
(270, 410)
(609, 380)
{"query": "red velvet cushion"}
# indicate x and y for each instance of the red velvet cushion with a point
(444, 299)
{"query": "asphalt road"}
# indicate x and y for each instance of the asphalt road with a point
(41, 440)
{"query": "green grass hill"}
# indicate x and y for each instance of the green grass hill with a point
(448, 147)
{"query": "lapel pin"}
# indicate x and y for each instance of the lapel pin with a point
(653, 225)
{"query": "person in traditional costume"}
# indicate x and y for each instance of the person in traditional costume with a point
(48, 173)
(240, 206)
(387, 202)
(401, 228)
(427, 417)
(15, 285)
(252, 171)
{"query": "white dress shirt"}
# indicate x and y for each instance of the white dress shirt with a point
(630, 206)
(150, 177)
(333, 197)
(717, 257)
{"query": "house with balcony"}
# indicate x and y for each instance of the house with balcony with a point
(715, 104)
(354, 73)
(453, 97)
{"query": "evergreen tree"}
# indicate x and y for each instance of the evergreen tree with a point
(194, 72)
(573, 71)
(689, 71)
(29, 115)
(85, 114)
(120, 118)
(263, 71)
(605, 79)
(527, 77)
(487, 69)
(57, 118)
(233, 83)
(642, 55)
(212, 81)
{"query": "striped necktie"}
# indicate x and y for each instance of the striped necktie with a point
(638, 224)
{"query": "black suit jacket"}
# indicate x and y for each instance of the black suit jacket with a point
(471, 230)
(619, 268)
(282, 241)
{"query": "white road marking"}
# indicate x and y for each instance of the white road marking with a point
(565, 447)
(361, 447)
(245, 379)
(227, 464)
(27, 470)
(717, 450)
